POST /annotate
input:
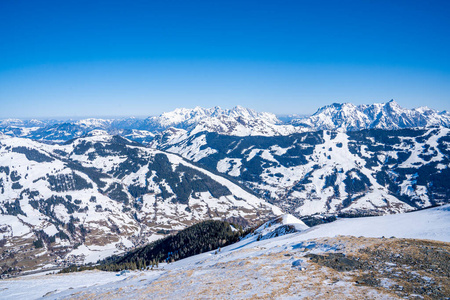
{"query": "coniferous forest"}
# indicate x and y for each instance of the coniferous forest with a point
(201, 237)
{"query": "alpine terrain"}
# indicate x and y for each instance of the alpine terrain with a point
(363, 172)
(94, 196)
(77, 191)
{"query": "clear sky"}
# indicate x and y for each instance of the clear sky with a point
(120, 58)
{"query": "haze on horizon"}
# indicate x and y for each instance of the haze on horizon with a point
(111, 58)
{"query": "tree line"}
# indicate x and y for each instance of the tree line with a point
(201, 237)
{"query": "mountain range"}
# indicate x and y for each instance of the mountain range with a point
(388, 115)
(237, 121)
(102, 194)
(77, 191)
(370, 171)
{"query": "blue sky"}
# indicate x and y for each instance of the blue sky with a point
(121, 58)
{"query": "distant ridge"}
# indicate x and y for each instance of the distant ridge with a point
(237, 121)
(388, 115)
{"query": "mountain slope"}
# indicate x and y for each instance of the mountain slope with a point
(198, 238)
(356, 172)
(104, 193)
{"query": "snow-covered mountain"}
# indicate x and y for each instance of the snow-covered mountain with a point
(189, 118)
(100, 194)
(347, 173)
(60, 131)
(17, 127)
(388, 115)
(182, 123)
(237, 121)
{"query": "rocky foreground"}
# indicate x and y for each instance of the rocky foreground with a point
(342, 267)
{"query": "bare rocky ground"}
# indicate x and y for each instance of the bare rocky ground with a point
(327, 268)
(405, 267)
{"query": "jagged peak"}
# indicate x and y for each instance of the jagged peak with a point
(392, 104)
(388, 115)
(241, 108)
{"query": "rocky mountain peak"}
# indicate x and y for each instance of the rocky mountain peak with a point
(388, 115)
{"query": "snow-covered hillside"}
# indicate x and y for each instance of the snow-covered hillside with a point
(388, 115)
(356, 172)
(100, 194)
(292, 265)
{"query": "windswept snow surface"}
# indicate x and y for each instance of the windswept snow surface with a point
(433, 224)
(37, 286)
(426, 224)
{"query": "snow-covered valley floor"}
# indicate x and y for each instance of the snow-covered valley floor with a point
(346, 259)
